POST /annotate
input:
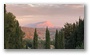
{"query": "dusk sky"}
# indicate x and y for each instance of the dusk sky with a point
(57, 14)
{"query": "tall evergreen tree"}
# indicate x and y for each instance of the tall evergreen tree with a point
(35, 40)
(56, 40)
(67, 32)
(12, 32)
(80, 34)
(4, 27)
(4, 8)
(47, 45)
(61, 39)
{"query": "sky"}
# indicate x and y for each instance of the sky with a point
(57, 14)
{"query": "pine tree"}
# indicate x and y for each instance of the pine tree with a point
(80, 30)
(5, 40)
(4, 8)
(35, 40)
(61, 39)
(13, 34)
(68, 29)
(56, 40)
(47, 39)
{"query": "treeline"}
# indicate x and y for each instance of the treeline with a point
(74, 35)
(13, 34)
(69, 37)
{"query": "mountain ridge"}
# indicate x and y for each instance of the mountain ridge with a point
(42, 24)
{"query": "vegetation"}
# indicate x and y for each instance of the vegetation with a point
(69, 37)
(74, 34)
(47, 39)
(56, 40)
(12, 32)
(35, 40)
(61, 39)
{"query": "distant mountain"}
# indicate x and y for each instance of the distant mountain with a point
(41, 28)
(43, 24)
(29, 32)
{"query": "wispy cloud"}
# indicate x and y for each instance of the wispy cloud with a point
(28, 13)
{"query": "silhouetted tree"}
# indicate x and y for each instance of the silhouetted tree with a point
(35, 40)
(47, 45)
(56, 40)
(61, 39)
(13, 34)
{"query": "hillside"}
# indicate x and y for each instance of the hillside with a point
(29, 32)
